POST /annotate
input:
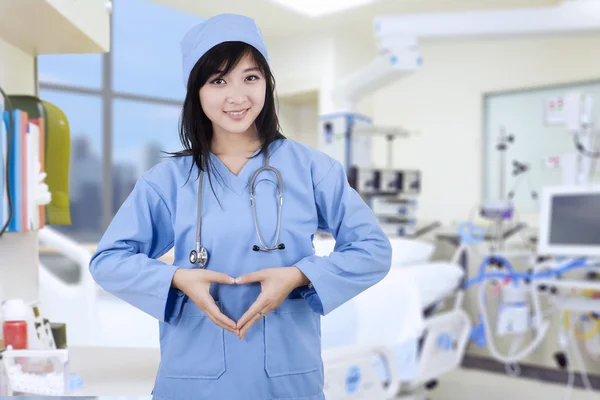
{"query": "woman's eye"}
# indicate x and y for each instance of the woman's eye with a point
(218, 81)
(253, 78)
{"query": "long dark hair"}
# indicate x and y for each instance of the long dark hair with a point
(195, 129)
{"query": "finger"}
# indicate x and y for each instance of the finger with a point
(245, 328)
(219, 277)
(256, 276)
(258, 305)
(213, 310)
(216, 322)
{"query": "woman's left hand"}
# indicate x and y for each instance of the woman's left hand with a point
(277, 284)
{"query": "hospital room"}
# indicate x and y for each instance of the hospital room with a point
(300, 199)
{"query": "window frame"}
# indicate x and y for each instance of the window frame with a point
(108, 96)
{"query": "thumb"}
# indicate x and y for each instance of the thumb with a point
(257, 276)
(219, 277)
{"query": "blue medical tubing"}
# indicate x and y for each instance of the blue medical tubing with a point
(516, 276)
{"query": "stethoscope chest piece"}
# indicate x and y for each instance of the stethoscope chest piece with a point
(199, 257)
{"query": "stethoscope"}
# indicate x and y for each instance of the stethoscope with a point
(200, 255)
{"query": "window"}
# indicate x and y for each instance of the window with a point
(142, 132)
(83, 70)
(138, 113)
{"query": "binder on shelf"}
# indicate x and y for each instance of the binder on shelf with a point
(34, 142)
(17, 169)
(34, 108)
(24, 154)
(4, 211)
(41, 150)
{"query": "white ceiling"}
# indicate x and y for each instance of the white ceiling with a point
(275, 21)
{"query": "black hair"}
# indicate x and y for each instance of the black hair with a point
(195, 128)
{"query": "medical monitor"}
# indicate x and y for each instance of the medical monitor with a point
(570, 221)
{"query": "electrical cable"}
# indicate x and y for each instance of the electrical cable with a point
(581, 148)
(512, 368)
(582, 335)
(9, 135)
(564, 344)
(592, 353)
(581, 366)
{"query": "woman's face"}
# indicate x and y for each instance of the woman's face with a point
(234, 101)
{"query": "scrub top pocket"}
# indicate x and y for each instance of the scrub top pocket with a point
(195, 347)
(292, 339)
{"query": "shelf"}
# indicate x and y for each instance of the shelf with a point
(55, 26)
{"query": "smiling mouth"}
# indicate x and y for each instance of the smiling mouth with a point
(236, 113)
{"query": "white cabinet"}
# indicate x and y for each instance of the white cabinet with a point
(56, 26)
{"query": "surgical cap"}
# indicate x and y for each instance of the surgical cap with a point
(216, 30)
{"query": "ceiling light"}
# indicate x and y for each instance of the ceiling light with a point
(318, 8)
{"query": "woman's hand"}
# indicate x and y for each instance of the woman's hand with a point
(195, 283)
(277, 284)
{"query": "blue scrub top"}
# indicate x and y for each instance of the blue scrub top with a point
(280, 356)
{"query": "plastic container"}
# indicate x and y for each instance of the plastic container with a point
(5, 389)
(38, 372)
(14, 328)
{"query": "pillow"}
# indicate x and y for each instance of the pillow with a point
(410, 251)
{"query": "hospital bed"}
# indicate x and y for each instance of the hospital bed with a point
(392, 340)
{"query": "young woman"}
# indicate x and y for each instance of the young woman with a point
(239, 310)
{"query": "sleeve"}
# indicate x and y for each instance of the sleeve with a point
(125, 261)
(362, 254)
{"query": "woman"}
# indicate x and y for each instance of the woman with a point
(239, 310)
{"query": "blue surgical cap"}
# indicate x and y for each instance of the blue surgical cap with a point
(216, 30)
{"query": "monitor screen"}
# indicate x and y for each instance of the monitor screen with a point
(574, 219)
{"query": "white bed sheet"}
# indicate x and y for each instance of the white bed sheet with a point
(392, 311)
(387, 313)
(434, 280)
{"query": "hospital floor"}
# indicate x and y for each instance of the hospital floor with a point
(469, 384)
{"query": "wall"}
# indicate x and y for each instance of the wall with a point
(297, 117)
(306, 69)
(298, 62)
(16, 70)
(18, 251)
(444, 103)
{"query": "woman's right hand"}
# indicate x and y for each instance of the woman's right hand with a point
(195, 283)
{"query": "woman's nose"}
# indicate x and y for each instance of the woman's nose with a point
(236, 95)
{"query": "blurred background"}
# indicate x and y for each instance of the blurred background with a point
(465, 100)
